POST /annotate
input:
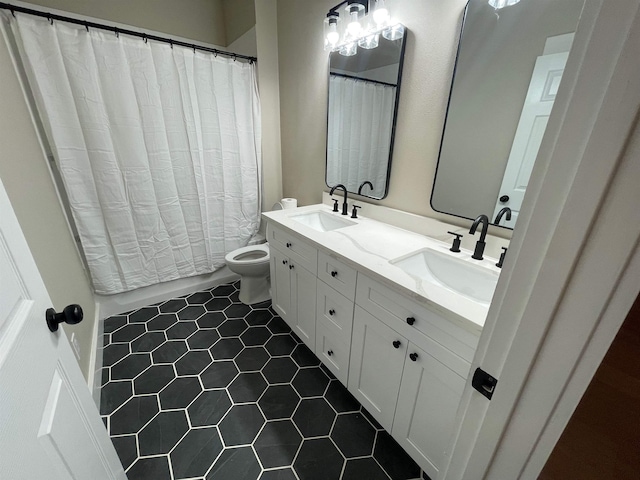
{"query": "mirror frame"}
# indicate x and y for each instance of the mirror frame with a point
(393, 124)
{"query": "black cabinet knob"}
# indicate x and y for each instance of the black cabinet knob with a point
(330, 352)
(504, 199)
(396, 344)
(332, 312)
(284, 262)
(334, 273)
(290, 267)
(411, 320)
(71, 315)
(288, 245)
(413, 356)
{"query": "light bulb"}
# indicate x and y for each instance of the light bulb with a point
(354, 26)
(380, 13)
(333, 36)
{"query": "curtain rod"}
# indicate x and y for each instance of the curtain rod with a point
(145, 36)
(363, 79)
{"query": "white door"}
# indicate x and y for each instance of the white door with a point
(375, 369)
(49, 425)
(303, 302)
(281, 285)
(543, 88)
(425, 415)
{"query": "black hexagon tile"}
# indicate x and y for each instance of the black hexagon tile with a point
(162, 433)
(180, 393)
(277, 444)
(209, 408)
(196, 452)
(279, 401)
(237, 464)
(204, 387)
(241, 425)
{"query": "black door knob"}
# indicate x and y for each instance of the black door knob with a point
(396, 344)
(411, 320)
(504, 198)
(413, 356)
(71, 315)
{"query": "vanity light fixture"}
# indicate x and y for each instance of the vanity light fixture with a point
(365, 21)
(498, 4)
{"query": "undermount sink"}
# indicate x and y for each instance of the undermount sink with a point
(322, 221)
(472, 281)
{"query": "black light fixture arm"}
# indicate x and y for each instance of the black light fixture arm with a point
(118, 31)
(364, 3)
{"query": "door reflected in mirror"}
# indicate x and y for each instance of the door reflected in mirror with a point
(508, 70)
(363, 101)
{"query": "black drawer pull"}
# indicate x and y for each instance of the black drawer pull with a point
(411, 320)
(332, 312)
(396, 344)
(413, 356)
(334, 274)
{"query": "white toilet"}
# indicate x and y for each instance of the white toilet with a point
(252, 264)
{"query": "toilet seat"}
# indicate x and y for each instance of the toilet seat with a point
(244, 255)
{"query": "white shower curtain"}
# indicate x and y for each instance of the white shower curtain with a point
(158, 147)
(359, 135)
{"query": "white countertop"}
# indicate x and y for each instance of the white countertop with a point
(370, 245)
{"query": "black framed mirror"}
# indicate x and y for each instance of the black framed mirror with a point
(363, 106)
(508, 69)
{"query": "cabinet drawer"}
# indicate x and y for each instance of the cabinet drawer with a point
(333, 351)
(337, 275)
(334, 310)
(394, 309)
(300, 252)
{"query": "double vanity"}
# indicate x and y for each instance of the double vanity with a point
(395, 315)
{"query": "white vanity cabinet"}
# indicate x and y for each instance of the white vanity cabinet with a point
(293, 283)
(406, 363)
(408, 381)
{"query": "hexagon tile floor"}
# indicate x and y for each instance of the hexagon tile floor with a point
(204, 387)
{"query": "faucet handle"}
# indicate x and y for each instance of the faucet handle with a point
(502, 255)
(354, 213)
(456, 242)
(335, 204)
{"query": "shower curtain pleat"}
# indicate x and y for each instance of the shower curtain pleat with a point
(359, 134)
(158, 149)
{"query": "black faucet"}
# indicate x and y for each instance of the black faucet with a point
(501, 213)
(480, 244)
(362, 186)
(345, 205)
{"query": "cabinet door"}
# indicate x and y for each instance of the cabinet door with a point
(281, 285)
(375, 369)
(429, 396)
(303, 304)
